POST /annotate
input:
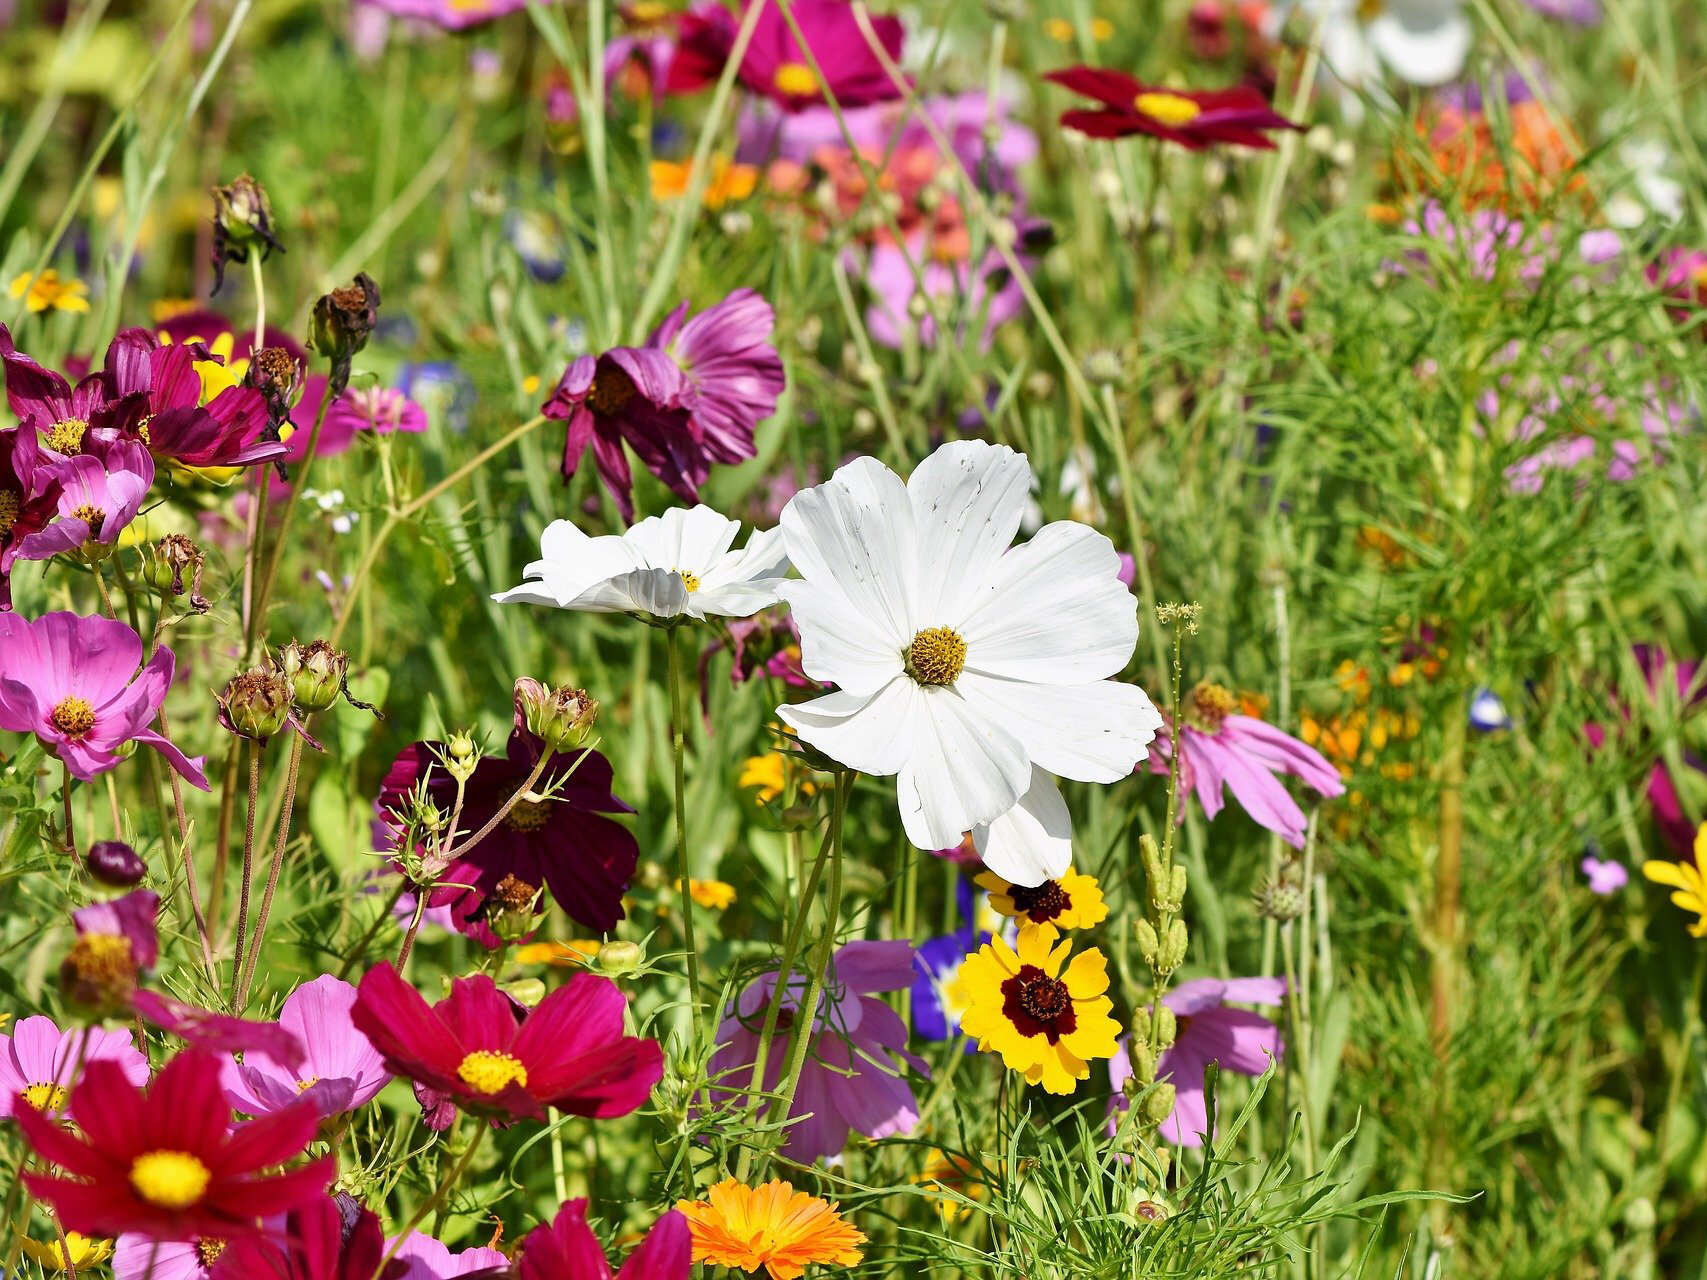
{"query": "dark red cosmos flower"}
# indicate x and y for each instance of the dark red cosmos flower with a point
(775, 66)
(635, 395)
(480, 1049)
(227, 431)
(1195, 119)
(166, 1162)
(329, 1238)
(565, 843)
(64, 415)
(567, 1249)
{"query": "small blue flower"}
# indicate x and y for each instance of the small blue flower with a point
(1487, 712)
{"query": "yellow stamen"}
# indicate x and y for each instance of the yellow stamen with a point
(169, 1179)
(74, 717)
(67, 436)
(486, 1072)
(10, 505)
(689, 580)
(46, 1096)
(1167, 108)
(936, 656)
(796, 80)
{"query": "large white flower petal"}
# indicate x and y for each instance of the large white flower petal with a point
(569, 563)
(1094, 732)
(963, 769)
(853, 535)
(871, 733)
(659, 592)
(1425, 41)
(968, 499)
(1033, 841)
(764, 556)
(694, 539)
(863, 660)
(1055, 612)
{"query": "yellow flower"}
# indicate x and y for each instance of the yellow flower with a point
(561, 954)
(1047, 1018)
(713, 895)
(728, 182)
(85, 1253)
(954, 1173)
(773, 1226)
(47, 292)
(767, 776)
(1072, 901)
(1064, 31)
(1689, 881)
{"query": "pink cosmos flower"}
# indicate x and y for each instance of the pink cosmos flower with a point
(182, 423)
(732, 369)
(775, 67)
(1605, 876)
(340, 1070)
(360, 410)
(138, 1257)
(451, 15)
(1682, 275)
(637, 396)
(134, 917)
(29, 497)
(567, 1249)
(39, 1063)
(1223, 750)
(66, 416)
(1209, 1031)
(219, 1033)
(73, 682)
(850, 1080)
(1662, 674)
(99, 494)
(328, 1238)
(424, 1258)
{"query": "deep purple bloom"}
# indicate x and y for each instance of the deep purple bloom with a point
(98, 495)
(73, 682)
(65, 416)
(851, 1079)
(340, 1070)
(732, 369)
(1209, 1031)
(635, 395)
(936, 1013)
(181, 422)
(29, 497)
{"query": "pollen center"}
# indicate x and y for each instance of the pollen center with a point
(10, 504)
(46, 1096)
(1044, 998)
(611, 391)
(1208, 706)
(936, 656)
(74, 717)
(303, 1086)
(208, 1249)
(169, 1179)
(67, 436)
(90, 515)
(689, 580)
(1167, 108)
(1041, 904)
(486, 1072)
(796, 80)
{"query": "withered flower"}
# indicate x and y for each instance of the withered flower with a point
(342, 321)
(242, 223)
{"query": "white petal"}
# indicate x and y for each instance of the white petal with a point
(872, 733)
(530, 593)
(1033, 841)
(963, 769)
(1425, 43)
(693, 538)
(733, 600)
(1055, 612)
(570, 562)
(1094, 732)
(659, 592)
(968, 498)
(863, 659)
(764, 556)
(853, 535)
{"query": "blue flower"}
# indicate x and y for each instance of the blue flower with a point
(936, 963)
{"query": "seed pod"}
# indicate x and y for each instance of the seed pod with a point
(561, 718)
(1148, 942)
(1158, 1104)
(1172, 951)
(316, 672)
(242, 224)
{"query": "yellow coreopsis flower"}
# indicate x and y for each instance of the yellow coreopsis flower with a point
(561, 954)
(1046, 1017)
(713, 895)
(50, 291)
(85, 1253)
(1070, 901)
(1690, 882)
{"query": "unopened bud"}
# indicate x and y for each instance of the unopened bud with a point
(242, 224)
(616, 959)
(1148, 943)
(1158, 1104)
(316, 672)
(526, 992)
(1167, 1028)
(256, 704)
(1143, 1060)
(1104, 368)
(1171, 954)
(561, 718)
(115, 863)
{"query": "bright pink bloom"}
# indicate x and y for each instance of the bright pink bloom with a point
(567, 1249)
(228, 430)
(134, 917)
(775, 67)
(359, 411)
(99, 494)
(1682, 275)
(39, 1062)
(73, 682)
(424, 1258)
(29, 497)
(1209, 1031)
(734, 372)
(68, 418)
(137, 1162)
(1192, 118)
(218, 1033)
(851, 1080)
(478, 1047)
(339, 1071)
(633, 395)
(137, 1257)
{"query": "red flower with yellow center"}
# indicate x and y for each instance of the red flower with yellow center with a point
(1193, 118)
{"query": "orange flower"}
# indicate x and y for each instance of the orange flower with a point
(773, 1226)
(1536, 162)
(728, 182)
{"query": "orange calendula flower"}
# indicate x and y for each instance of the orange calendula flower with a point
(50, 291)
(1046, 1017)
(772, 1226)
(729, 182)
(1070, 901)
(1690, 882)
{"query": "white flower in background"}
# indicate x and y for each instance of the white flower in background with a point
(1423, 42)
(1652, 190)
(970, 669)
(669, 566)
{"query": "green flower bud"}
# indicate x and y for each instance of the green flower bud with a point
(1171, 953)
(526, 992)
(1167, 1028)
(1145, 933)
(256, 704)
(316, 673)
(562, 718)
(616, 959)
(1158, 1104)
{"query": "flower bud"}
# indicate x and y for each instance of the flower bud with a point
(1147, 1210)
(560, 718)
(1143, 1060)
(256, 704)
(616, 959)
(1171, 953)
(165, 563)
(1104, 368)
(1158, 1104)
(340, 326)
(242, 224)
(510, 909)
(1145, 934)
(526, 992)
(316, 673)
(115, 863)
(98, 974)
(1167, 1028)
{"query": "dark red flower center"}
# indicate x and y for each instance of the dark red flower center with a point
(527, 815)
(612, 389)
(1038, 1005)
(1041, 903)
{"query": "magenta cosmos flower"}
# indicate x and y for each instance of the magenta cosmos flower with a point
(340, 1070)
(39, 1063)
(73, 682)
(98, 495)
(1192, 118)
(1220, 749)
(567, 1249)
(425, 1258)
(479, 1048)
(1209, 1031)
(137, 1257)
(851, 1080)
(635, 396)
(29, 498)
(775, 66)
(565, 843)
(62, 414)
(328, 1238)
(196, 413)
(378, 411)
(734, 373)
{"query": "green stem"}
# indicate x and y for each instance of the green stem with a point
(282, 542)
(678, 747)
(291, 775)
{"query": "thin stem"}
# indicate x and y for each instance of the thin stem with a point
(433, 1201)
(287, 516)
(408, 947)
(259, 278)
(678, 748)
(291, 775)
(356, 952)
(70, 830)
(248, 866)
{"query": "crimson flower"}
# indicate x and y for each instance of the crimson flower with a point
(566, 1249)
(63, 414)
(165, 1162)
(776, 67)
(328, 1238)
(182, 421)
(477, 1046)
(1194, 118)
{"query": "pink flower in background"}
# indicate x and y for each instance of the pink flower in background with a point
(775, 67)
(1682, 274)
(99, 494)
(73, 682)
(29, 497)
(733, 371)
(1605, 876)
(40, 1064)
(1674, 679)
(134, 918)
(633, 396)
(425, 1258)
(1221, 751)
(218, 1033)
(377, 411)
(67, 417)
(340, 1070)
(1209, 1031)
(137, 1257)
(452, 15)
(851, 1080)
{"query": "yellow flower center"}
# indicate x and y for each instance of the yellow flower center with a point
(486, 1072)
(303, 1086)
(169, 1179)
(74, 717)
(1209, 705)
(527, 815)
(101, 956)
(67, 436)
(936, 656)
(796, 80)
(1699, 276)
(1167, 108)
(689, 580)
(208, 1249)
(90, 515)
(10, 504)
(1369, 10)
(46, 1096)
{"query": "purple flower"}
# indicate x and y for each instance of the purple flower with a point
(850, 1080)
(40, 1064)
(73, 682)
(452, 15)
(635, 395)
(734, 373)
(1585, 13)
(427, 1259)
(139, 1257)
(29, 497)
(359, 411)
(183, 423)
(66, 416)
(340, 1071)
(1660, 670)
(1604, 877)
(1209, 1031)
(936, 1010)
(988, 295)
(99, 495)
(1245, 755)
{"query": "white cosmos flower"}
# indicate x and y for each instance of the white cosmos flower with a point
(674, 565)
(1423, 42)
(970, 669)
